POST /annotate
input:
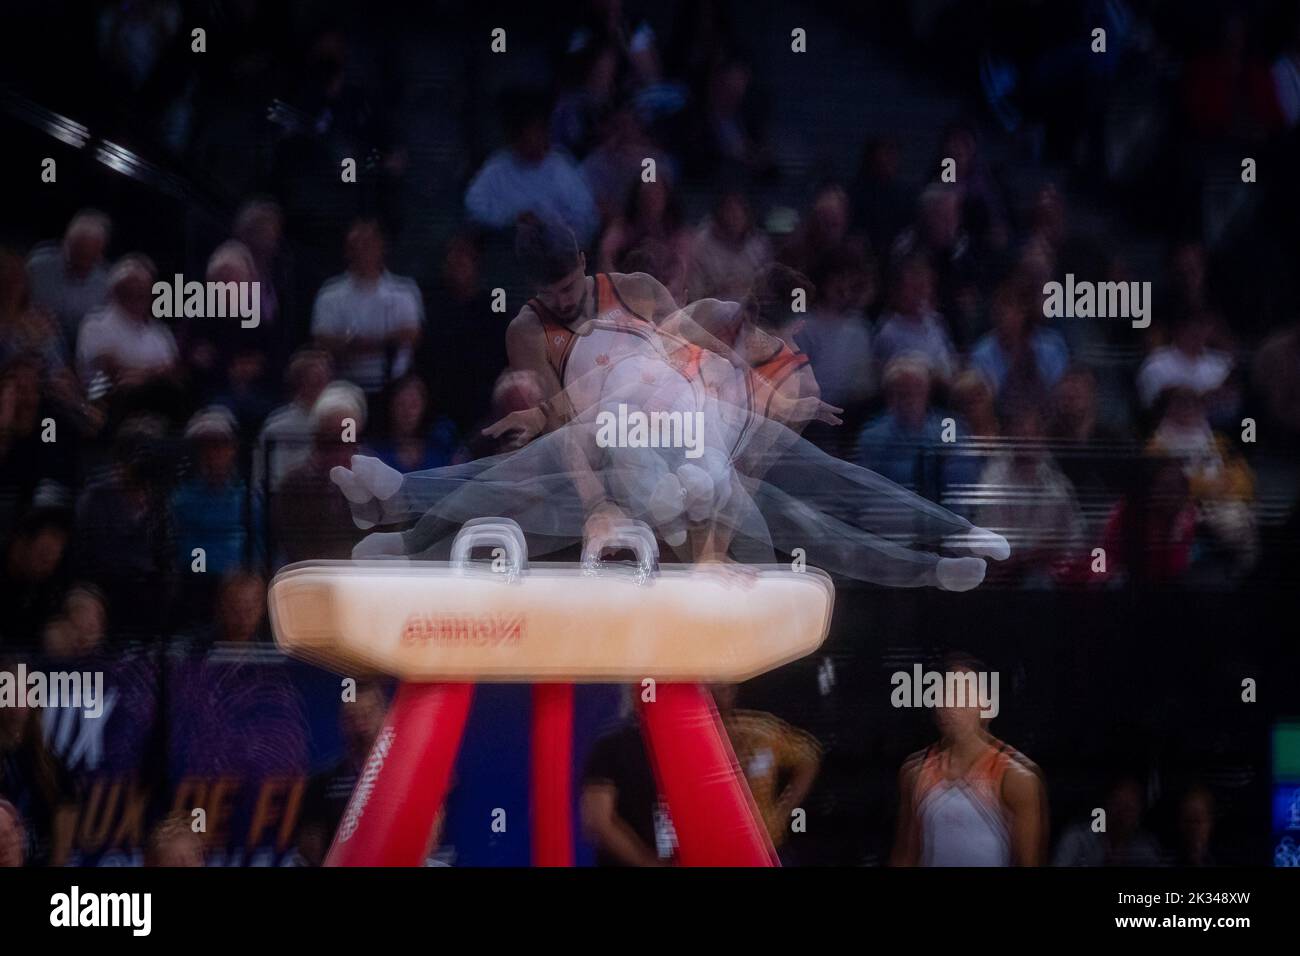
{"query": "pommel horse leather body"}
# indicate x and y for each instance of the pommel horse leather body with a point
(440, 627)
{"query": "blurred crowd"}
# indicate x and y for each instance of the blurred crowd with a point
(167, 464)
(155, 472)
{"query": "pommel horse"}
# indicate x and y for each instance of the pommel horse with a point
(441, 627)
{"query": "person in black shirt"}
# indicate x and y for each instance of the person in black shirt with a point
(328, 792)
(622, 812)
(37, 784)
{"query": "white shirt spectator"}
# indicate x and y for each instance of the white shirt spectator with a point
(1170, 366)
(137, 346)
(554, 188)
(376, 312)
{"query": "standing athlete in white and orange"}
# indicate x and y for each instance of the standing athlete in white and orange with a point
(969, 799)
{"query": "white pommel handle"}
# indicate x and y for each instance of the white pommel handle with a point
(636, 536)
(482, 532)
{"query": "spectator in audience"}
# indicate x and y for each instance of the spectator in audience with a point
(173, 843)
(1276, 377)
(902, 443)
(1191, 362)
(286, 437)
(30, 341)
(728, 251)
(978, 426)
(228, 361)
(1186, 289)
(650, 213)
(1091, 452)
(13, 836)
(530, 175)
(368, 318)
(1196, 827)
(36, 783)
(1218, 479)
(86, 619)
(236, 613)
(1074, 407)
(823, 231)
(462, 323)
(882, 204)
(588, 82)
(1032, 503)
(259, 228)
(33, 575)
(973, 401)
(661, 261)
(309, 517)
(123, 343)
(941, 238)
(1054, 246)
(983, 208)
(416, 439)
(241, 608)
(1214, 470)
(834, 333)
(1150, 532)
(1286, 77)
(213, 509)
(660, 101)
(70, 279)
(124, 538)
(729, 133)
(1021, 359)
(36, 443)
(617, 165)
(328, 792)
(515, 390)
(780, 762)
(28, 329)
(1122, 843)
(1228, 92)
(911, 325)
(622, 813)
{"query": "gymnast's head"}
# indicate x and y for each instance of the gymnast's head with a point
(556, 269)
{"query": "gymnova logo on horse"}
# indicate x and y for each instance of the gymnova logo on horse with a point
(638, 429)
(946, 689)
(24, 688)
(457, 629)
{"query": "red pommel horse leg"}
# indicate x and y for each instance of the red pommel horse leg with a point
(713, 812)
(389, 820)
(551, 799)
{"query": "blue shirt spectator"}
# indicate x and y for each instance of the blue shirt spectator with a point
(213, 508)
(1019, 355)
(530, 176)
